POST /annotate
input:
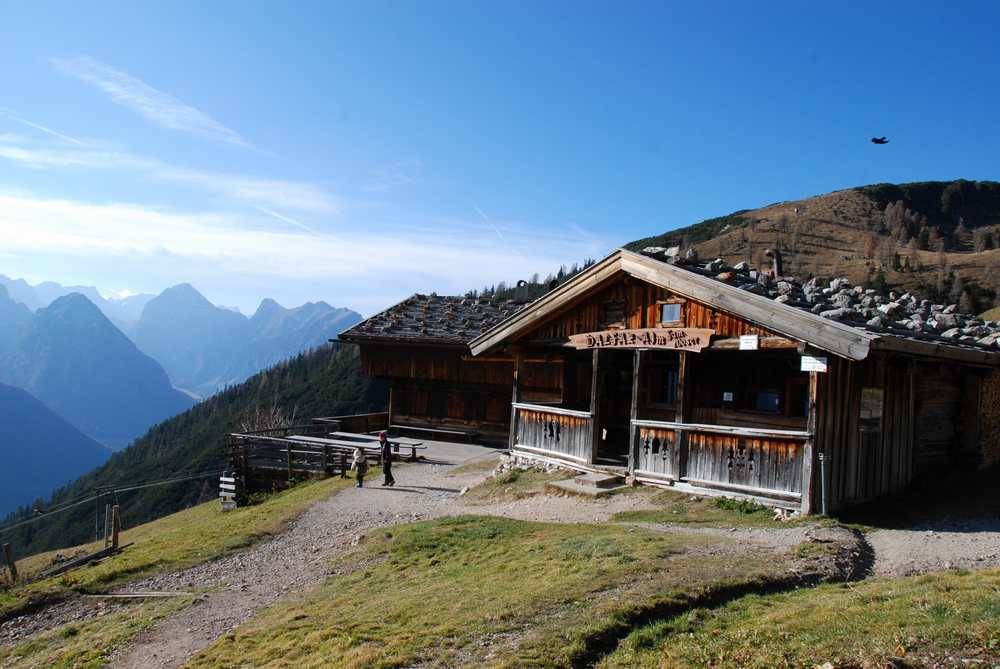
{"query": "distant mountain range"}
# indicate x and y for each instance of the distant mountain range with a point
(40, 450)
(72, 358)
(123, 312)
(205, 347)
(327, 381)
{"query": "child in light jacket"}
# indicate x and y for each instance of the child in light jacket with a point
(360, 466)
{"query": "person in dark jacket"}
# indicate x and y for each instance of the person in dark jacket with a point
(386, 456)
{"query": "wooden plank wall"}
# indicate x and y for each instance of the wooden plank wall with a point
(641, 310)
(989, 426)
(938, 407)
(864, 465)
(483, 408)
(434, 364)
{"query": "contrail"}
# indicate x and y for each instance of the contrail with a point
(9, 114)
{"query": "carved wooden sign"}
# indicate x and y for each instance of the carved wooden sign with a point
(678, 339)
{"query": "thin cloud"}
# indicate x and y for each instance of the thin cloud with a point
(38, 126)
(361, 262)
(286, 219)
(156, 106)
(254, 191)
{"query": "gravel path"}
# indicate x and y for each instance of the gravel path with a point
(968, 543)
(302, 556)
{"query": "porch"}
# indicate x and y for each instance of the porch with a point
(719, 421)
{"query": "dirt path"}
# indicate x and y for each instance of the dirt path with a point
(297, 559)
(966, 543)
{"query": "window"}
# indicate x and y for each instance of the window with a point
(661, 385)
(768, 401)
(670, 312)
(614, 314)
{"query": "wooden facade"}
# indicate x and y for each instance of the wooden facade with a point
(735, 418)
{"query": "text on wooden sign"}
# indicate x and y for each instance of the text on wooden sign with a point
(678, 339)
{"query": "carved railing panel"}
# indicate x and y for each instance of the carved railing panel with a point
(553, 431)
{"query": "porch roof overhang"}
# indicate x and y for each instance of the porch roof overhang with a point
(821, 333)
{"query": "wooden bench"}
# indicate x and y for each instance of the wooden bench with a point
(449, 434)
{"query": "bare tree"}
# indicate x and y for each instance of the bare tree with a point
(264, 418)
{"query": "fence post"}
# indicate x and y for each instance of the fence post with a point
(326, 456)
(288, 452)
(9, 557)
(116, 526)
(343, 465)
(107, 524)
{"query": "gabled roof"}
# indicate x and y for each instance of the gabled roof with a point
(433, 320)
(822, 333)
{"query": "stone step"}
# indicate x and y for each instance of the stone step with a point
(599, 480)
(572, 487)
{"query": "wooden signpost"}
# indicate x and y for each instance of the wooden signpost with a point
(675, 339)
(227, 492)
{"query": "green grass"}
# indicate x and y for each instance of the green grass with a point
(171, 543)
(923, 621)
(89, 644)
(478, 591)
(673, 507)
(479, 466)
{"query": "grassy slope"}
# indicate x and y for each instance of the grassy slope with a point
(434, 591)
(327, 381)
(174, 542)
(90, 644)
(826, 235)
(934, 620)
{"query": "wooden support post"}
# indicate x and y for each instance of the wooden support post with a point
(633, 433)
(116, 526)
(343, 464)
(326, 459)
(595, 406)
(515, 395)
(107, 525)
(288, 456)
(682, 414)
(388, 414)
(808, 448)
(11, 566)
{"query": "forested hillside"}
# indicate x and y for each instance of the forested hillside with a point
(327, 381)
(938, 238)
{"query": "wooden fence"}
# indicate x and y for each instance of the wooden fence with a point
(553, 431)
(762, 462)
(362, 423)
(263, 462)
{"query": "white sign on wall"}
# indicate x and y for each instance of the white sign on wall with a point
(749, 342)
(813, 363)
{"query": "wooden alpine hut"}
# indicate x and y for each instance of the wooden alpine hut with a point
(706, 378)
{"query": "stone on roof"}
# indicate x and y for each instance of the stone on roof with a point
(892, 313)
(435, 319)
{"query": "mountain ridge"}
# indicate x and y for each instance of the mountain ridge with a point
(938, 238)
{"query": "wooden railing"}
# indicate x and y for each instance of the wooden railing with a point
(361, 423)
(749, 460)
(553, 431)
(261, 462)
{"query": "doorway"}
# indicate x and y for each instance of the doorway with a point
(615, 407)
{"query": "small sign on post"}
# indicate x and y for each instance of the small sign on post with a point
(749, 342)
(227, 492)
(813, 363)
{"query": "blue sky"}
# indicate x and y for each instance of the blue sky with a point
(359, 152)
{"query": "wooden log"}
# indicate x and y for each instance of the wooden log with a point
(595, 405)
(8, 556)
(807, 451)
(633, 440)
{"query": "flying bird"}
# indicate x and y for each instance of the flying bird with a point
(879, 140)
